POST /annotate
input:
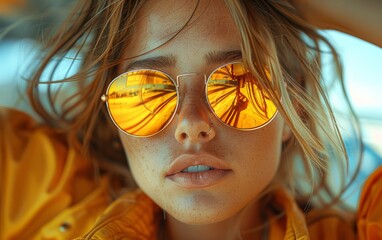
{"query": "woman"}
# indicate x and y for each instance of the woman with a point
(217, 107)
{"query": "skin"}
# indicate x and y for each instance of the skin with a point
(361, 19)
(253, 156)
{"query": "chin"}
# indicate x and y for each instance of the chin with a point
(203, 209)
(201, 218)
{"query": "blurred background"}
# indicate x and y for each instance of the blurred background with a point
(24, 21)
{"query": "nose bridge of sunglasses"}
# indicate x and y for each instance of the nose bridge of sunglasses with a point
(191, 88)
(190, 85)
(187, 75)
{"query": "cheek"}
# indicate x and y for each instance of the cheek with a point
(144, 161)
(258, 157)
(260, 169)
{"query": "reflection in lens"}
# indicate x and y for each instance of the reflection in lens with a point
(237, 99)
(142, 102)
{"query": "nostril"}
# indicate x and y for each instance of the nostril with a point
(183, 136)
(203, 134)
(194, 132)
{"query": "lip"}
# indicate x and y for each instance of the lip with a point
(197, 179)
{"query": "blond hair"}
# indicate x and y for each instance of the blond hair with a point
(275, 36)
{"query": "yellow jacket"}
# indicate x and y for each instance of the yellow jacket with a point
(48, 192)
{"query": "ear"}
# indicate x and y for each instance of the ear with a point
(287, 132)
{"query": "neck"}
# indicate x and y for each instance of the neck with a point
(238, 226)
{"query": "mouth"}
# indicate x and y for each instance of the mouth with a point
(197, 171)
(197, 168)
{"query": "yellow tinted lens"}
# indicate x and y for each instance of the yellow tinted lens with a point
(142, 102)
(237, 99)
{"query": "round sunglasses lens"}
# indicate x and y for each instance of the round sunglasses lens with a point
(237, 99)
(142, 102)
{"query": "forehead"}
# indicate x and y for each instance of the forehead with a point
(183, 26)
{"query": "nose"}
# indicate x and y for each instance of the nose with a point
(194, 125)
(194, 129)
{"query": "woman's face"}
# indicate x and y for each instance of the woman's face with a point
(244, 162)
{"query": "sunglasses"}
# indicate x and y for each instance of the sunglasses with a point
(143, 102)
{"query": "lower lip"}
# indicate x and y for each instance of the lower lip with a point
(199, 179)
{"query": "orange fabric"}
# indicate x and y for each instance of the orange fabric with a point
(370, 208)
(330, 224)
(48, 192)
(132, 216)
(292, 225)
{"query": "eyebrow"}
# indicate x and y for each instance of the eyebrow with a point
(154, 62)
(218, 57)
(214, 57)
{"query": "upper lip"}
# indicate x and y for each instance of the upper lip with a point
(187, 160)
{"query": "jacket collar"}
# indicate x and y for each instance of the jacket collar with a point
(135, 216)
